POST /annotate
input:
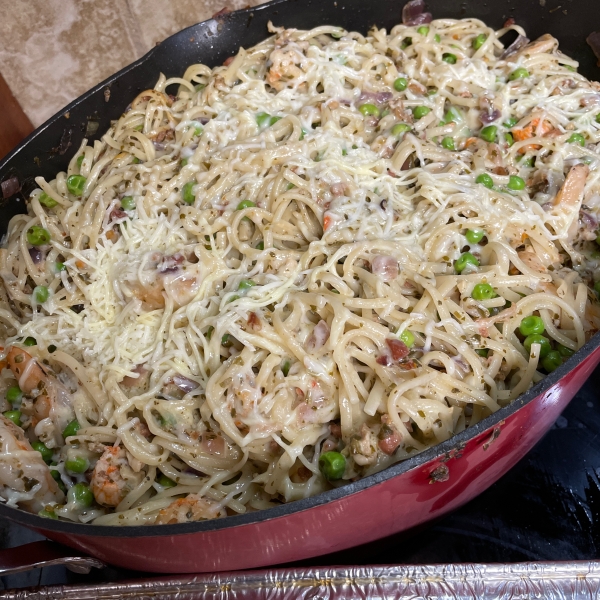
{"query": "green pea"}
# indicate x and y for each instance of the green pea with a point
(336, 35)
(448, 143)
(437, 39)
(509, 139)
(515, 183)
(274, 120)
(511, 122)
(453, 115)
(285, 367)
(245, 204)
(183, 162)
(38, 236)
(77, 465)
(474, 236)
(71, 429)
(29, 341)
(80, 160)
(420, 111)
(482, 352)
(400, 128)
(552, 361)
(449, 58)
(227, 341)
(59, 266)
(246, 284)
(75, 184)
(43, 450)
(47, 514)
(332, 465)
(14, 416)
(260, 246)
(14, 394)
(80, 493)
(263, 119)
(485, 180)
(187, 193)
(489, 133)
(400, 84)
(127, 203)
(408, 338)
(344, 153)
(46, 200)
(483, 291)
(209, 332)
(465, 259)
(532, 324)
(577, 138)
(564, 351)
(368, 110)
(519, 73)
(40, 293)
(423, 30)
(432, 91)
(598, 118)
(138, 128)
(528, 162)
(135, 160)
(198, 130)
(478, 41)
(406, 42)
(291, 186)
(544, 343)
(165, 481)
(303, 132)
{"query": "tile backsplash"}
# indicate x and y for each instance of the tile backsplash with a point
(51, 51)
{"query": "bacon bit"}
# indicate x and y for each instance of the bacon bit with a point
(301, 475)
(338, 189)
(213, 444)
(408, 365)
(111, 235)
(254, 322)
(389, 437)
(336, 430)
(509, 22)
(385, 266)
(275, 448)
(319, 336)
(117, 213)
(383, 360)
(228, 61)
(398, 348)
(170, 264)
(500, 171)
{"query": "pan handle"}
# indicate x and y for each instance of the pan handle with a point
(44, 554)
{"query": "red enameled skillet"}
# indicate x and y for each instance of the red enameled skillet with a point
(405, 495)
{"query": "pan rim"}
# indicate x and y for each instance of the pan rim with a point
(82, 530)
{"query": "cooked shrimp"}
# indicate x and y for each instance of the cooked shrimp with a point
(24, 476)
(191, 508)
(113, 477)
(52, 399)
(568, 201)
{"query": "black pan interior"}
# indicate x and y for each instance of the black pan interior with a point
(48, 150)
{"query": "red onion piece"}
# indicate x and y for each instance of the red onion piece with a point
(184, 384)
(374, 97)
(414, 13)
(10, 187)
(489, 117)
(36, 255)
(170, 264)
(515, 47)
(134, 381)
(588, 221)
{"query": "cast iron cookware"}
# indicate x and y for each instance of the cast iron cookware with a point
(405, 495)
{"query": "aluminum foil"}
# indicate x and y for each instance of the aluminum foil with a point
(550, 581)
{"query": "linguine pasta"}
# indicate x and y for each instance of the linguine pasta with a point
(296, 269)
